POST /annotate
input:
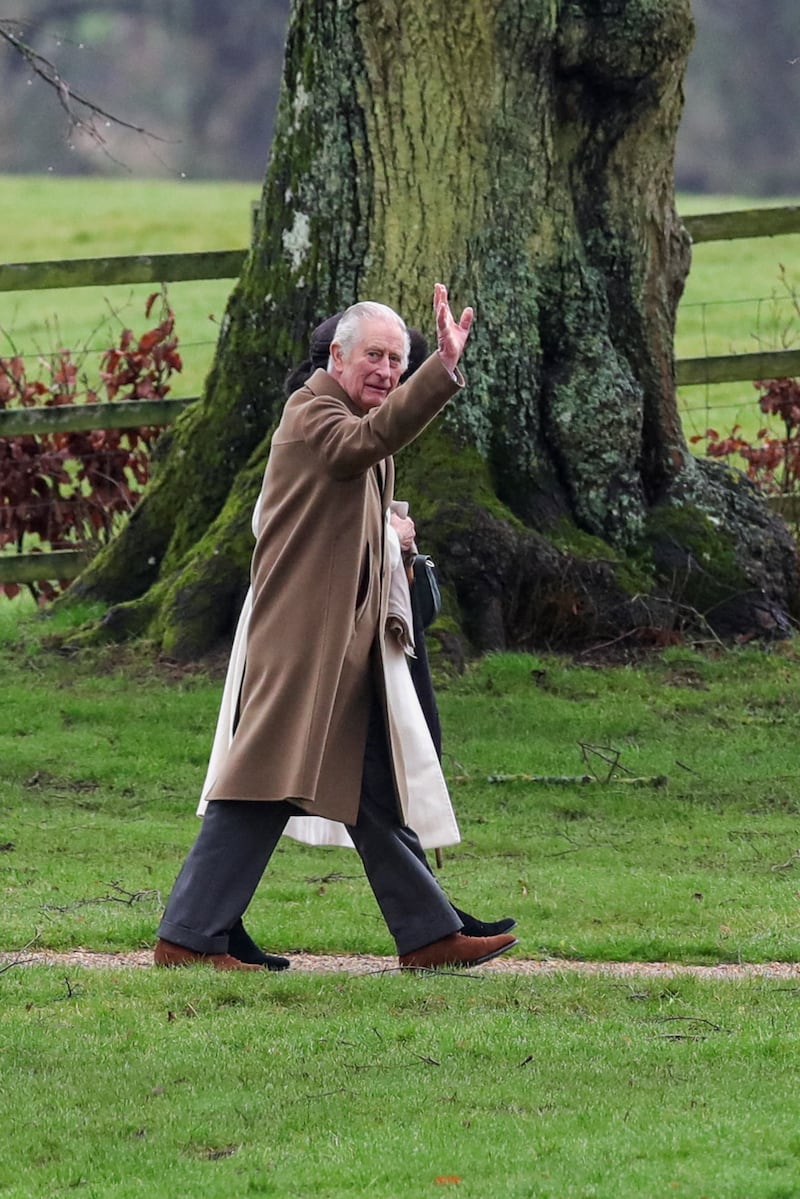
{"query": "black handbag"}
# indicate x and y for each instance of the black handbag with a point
(425, 593)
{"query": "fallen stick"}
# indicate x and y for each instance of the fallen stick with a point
(558, 780)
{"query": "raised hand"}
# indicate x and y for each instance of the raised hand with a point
(451, 337)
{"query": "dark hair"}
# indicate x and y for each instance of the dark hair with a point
(417, 353)
(320, 347)
(321, 339)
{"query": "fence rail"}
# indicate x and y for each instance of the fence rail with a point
(745, 222)
(737, 368)
(130, 414)
(227, 264)
(78, 418)
(32, 568)
(137, 268)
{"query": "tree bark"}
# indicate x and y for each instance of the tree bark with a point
(521, 152)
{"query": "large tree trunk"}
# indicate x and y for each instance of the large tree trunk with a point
(521, 152)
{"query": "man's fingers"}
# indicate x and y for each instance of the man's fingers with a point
(443, 313)
(452, 336)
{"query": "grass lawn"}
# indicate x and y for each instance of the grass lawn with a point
(128, 1083)
(104, 754)
(86, 218)
(142, 1083)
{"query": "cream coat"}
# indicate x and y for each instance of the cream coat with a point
(320, 582)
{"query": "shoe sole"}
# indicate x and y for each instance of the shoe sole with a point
(487, 957)
(162, 965)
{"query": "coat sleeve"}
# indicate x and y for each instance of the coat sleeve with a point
(349, 445)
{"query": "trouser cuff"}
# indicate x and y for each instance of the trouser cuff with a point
(189, 939)
(415, 938)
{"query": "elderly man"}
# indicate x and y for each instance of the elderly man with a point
(311, 735)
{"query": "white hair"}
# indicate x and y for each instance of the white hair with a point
(347, 330)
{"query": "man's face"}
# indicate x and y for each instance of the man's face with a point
(374, 365)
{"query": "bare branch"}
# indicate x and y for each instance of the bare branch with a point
(83, 115)
(129, 898)
(21, 961)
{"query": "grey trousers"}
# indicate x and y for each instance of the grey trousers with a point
(237, 839)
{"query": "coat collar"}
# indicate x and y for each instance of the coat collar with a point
(323, 384)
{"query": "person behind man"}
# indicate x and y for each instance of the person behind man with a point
(312, 735)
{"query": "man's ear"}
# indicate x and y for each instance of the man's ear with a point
(337, 355)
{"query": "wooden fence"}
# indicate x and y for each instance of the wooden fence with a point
(227, 264)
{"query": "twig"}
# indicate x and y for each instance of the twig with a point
(693, 1020)
(333, 877)
(550, 780)
(127, 897)
(461, 972)
(16, 962)
(787, 865)
(20, 961)
(605, 753)
(593, 649)
(654, 780)
(577, 847)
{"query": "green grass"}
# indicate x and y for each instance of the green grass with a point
(734, 300)
(81, 218)
(104, 756)
(123, 1083)
(129, 1084)
(126, 1083)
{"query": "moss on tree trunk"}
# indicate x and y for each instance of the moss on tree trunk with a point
(521, 152)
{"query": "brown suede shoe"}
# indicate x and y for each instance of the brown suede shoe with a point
(167, 953)
(456, 950)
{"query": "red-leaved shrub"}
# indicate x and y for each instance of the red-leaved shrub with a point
(67, 490)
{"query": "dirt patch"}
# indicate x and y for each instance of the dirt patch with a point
(367, 964)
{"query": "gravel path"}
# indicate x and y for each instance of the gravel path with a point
(364, 964)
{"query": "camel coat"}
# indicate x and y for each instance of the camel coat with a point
(414, 754)
(320, 581)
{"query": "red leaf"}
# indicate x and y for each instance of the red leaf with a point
(148, 340)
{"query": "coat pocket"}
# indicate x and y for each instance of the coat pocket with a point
(364, 585)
